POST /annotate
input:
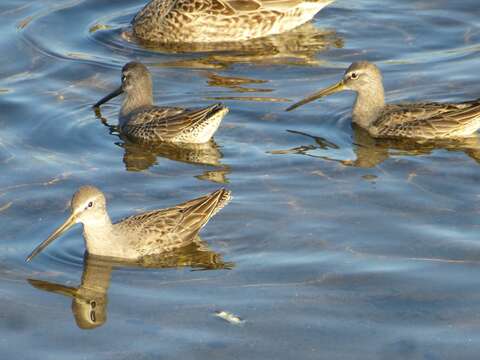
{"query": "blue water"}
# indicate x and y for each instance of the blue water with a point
(342, 247)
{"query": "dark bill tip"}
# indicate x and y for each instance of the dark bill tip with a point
(109, 97)
(294, 106)
(59, 231)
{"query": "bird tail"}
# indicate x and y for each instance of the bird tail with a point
(207, 113)
(197, 212)
(206, 121)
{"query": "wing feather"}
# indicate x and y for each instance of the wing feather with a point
(156, 125)
(428, 120)
(183, 219)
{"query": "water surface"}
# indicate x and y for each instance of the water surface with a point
(338, 246)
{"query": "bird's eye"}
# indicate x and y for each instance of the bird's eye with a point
(90, 204)
(354, 75)
(124, 78)
(93, 304)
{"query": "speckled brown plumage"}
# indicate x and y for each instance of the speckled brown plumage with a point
(220, 20)
(167, 229)
(427, 120)
(157, 124)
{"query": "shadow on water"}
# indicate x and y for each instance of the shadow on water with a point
(371, 152)
(139, 157)
(90, 298)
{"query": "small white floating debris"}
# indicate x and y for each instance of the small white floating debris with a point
(229, 317)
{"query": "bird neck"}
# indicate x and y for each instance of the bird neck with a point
(369, 104)
(139, 98)
(99, 235)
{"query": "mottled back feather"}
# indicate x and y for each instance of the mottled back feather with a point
(184, 220)
(428, 120)
(221, 20)
(163, 124)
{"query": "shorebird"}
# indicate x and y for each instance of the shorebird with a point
(144, 122)
(426, 120)
(191, 21)
(137, 236)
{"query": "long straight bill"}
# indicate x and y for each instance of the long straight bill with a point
(324, 92)
(59, 231)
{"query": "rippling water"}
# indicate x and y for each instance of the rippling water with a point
(334, 246)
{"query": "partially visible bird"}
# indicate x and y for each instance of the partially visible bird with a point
(192, 21)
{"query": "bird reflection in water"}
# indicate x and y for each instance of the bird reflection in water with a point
(90, 299)
(370, 152)
(298, 46)
(139, 157)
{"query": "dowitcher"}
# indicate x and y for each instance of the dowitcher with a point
(137, 236)
(144, 122)
(411, 120)
(190, 21)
